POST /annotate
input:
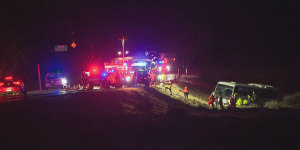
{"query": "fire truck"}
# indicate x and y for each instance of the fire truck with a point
(113, 77)
(166, 66)
(117, 70)
(140, 71)
(94, 77)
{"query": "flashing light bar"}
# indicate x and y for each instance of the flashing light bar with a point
(139, 64)
(17, 82)
(8, 78)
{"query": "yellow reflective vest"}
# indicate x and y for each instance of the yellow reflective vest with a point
(239, 102)
(245, 102)
(168, 85)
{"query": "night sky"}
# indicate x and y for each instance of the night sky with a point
(248, 34)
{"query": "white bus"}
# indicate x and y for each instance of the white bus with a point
(264, 92)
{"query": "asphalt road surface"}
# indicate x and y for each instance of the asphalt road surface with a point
(138, 118)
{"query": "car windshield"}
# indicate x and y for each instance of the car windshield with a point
(137, 68)
(52, 76)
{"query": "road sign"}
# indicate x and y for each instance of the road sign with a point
(73, 44)
(60, 48)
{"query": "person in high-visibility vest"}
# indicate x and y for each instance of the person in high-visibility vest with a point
(168, 85)
(163, 78)
(186, 92)
(239, 101)
(246, 100)
(211, 100)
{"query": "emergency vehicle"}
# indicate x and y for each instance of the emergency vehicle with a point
(55, 80)
(140, 71)
(118, 71)
(93, 78)
(10, 86)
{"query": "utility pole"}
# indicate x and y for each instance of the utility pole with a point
(123, 43)
(39, 74)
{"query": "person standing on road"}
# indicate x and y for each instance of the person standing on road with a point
(186, 92)
(211, 100)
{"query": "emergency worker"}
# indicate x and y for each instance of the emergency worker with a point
(152, 79)
(232, 101)
(163, 78)
(168, 86)
(221, 101)
(234, 98)
(246, 100)
(211, 100)
(239, 101)
(186, 92)
(253, 98)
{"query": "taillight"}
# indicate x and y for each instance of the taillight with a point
(17, 82)
(1, 83)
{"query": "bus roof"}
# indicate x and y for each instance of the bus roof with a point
(250, 85)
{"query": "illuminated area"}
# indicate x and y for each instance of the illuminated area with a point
(140, 64)
(64, 81)
(17, 82)
(168, 68)
(159, 77)
(94, 70)
(8, 78)
(127, 79)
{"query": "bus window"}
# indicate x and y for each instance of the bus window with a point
(225, 90)
(267, 93)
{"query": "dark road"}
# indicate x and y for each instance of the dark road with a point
(137, 118)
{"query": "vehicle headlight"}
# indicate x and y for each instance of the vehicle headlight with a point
(64, 81)
(127, 79)
(168, 68)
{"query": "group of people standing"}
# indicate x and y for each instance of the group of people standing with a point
(235, 100)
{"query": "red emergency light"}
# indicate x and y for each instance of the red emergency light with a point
(17, 82)
(94, 70)
(8, 78)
